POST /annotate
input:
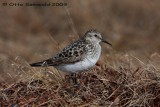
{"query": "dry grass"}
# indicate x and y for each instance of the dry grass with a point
(126, 76)
(121, 86)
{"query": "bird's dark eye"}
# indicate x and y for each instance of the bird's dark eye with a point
(95, 35)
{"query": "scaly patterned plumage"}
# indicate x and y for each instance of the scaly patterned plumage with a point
(78, 56)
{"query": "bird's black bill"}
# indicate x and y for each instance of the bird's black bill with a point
(106, 42)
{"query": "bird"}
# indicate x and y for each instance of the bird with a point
(79, 56)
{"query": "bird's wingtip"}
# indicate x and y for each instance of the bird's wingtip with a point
(36, 64)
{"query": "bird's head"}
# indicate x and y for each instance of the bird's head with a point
(94, 37)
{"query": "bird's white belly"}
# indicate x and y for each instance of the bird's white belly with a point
(86, 64)
(78, 66)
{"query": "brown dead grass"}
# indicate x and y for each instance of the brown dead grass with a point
(120, 86)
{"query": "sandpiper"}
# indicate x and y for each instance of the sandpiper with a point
(80, 55)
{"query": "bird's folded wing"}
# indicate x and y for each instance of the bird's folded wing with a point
(71, 54)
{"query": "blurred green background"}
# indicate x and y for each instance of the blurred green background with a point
(34, 33)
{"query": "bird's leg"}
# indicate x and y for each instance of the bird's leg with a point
(74, 78)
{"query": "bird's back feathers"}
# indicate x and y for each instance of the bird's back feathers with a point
(71, 54)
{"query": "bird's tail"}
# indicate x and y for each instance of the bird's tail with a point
(48, 62)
